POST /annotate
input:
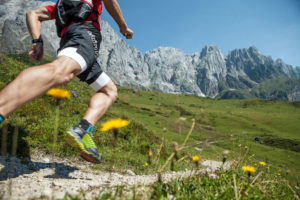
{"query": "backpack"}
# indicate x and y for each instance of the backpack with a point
(68, 11)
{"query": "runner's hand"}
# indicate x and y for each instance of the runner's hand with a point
(37, 51)
(127, 32)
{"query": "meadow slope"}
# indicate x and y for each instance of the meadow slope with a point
(255, 130)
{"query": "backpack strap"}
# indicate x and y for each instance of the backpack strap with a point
(96, 21)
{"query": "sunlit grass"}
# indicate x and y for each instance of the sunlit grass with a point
(158, 120)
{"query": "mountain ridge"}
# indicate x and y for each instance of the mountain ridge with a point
(167, 69)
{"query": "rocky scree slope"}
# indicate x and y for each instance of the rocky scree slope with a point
(166, 69)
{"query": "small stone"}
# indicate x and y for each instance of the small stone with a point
(198, 149)
(47, 192)
(213, 176)
(226, 152)
(46, 160)
(130, 172)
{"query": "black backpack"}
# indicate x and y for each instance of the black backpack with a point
(68, 11)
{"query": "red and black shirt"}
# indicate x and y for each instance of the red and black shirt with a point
(93, 17)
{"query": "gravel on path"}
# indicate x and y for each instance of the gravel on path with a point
(53, 177)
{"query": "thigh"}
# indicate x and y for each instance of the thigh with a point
(66, 65)
(109, 87)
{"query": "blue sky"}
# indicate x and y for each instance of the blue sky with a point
(273, 26)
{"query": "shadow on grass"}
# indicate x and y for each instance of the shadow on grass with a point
(15, 157)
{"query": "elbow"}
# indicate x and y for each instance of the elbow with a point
(29, 14)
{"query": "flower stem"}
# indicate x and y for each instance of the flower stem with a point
(55, 133)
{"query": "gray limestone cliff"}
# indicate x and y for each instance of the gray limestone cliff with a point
(205, 73)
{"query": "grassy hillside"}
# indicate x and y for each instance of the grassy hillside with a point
(255, 130)
(285, 89)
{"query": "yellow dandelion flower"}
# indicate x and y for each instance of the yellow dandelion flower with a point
(262, 163)
(114, 124)
(59, 93)
(248, 169)
(150, 152)
(146, 164)
(196, 158)
(246, 147)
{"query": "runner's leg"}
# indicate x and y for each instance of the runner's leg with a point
(34, 81)
(100, 102)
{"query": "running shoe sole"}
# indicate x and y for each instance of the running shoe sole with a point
(89, 158)
(75, 143)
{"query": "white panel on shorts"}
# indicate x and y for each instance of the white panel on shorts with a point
(100, 82)
(71, 52)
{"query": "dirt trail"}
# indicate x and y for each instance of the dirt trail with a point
(38, 177)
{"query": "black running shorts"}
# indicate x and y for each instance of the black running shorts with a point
(81, 42)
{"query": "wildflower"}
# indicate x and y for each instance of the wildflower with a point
(262, 163)
(246, 147)
(150, 152)
(248, 169)
(59, 93)
(196, 159)
(150, 156)
(114, 124)
(146, 164)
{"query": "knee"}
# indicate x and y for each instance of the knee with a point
(113, 93)
(61, 75)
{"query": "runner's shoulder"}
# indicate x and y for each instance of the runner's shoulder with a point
(51, 10)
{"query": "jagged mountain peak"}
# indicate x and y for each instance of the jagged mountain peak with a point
(167, 69)
(253, 49)
(210, 50)
(164, 50)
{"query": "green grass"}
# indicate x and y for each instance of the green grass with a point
(229, 184)
(157, 120)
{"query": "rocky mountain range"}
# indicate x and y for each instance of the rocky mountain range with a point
(206, 73)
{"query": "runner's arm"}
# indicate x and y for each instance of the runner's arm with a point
(34, 21)
(114, 10)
